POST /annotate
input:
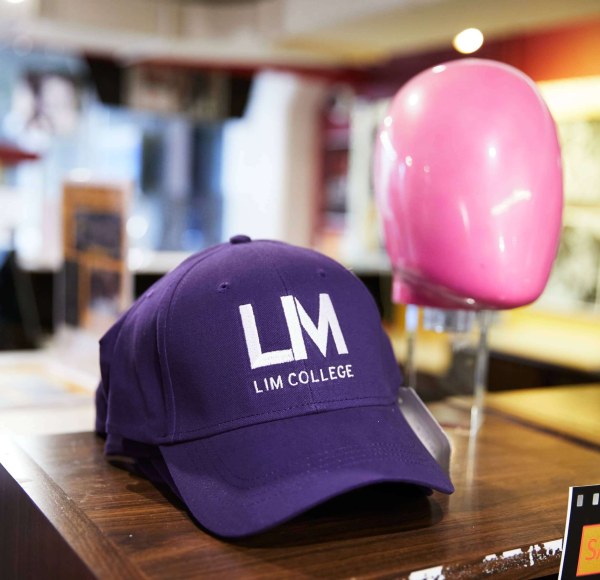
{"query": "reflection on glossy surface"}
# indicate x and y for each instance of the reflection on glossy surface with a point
(469, 179)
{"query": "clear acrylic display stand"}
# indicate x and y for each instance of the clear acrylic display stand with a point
(466, 375)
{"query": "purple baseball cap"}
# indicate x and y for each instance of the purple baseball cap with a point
(261, 373)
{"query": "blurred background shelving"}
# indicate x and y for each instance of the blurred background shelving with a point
(258, 116)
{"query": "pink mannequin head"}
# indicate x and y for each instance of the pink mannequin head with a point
(469, 185)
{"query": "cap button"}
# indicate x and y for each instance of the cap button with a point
(240, 239)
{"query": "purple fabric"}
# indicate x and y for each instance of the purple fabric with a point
(253, 478)
(247, 447)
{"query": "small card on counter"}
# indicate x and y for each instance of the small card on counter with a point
(581, 546)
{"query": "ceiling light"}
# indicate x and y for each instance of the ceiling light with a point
(14, 1)
(468, 40)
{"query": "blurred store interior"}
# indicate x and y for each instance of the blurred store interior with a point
(211, 118)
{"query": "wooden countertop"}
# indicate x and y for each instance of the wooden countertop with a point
(570, 411)
(69, 511)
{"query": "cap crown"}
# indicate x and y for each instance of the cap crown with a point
(241, 334)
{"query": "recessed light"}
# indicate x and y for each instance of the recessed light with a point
(468, 40)
(14, 1)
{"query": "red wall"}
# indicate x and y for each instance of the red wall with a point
(561, 53)
(566, 52)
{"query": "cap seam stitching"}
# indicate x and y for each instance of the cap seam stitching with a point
(301, 485)
(316, 471)
(341, 268)
(287, 293)
(308, 405)
(345, 455)
(377, 402)
(172, 301)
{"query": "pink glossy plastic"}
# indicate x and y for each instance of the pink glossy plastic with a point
(469, 185)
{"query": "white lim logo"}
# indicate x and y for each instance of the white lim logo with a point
(296, 319)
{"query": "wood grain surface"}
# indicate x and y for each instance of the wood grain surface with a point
(573, 411)
(505, 517)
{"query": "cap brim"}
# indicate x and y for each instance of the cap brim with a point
(250, 479)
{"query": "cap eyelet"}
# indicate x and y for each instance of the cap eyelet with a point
(223, 287)
(322, 273)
